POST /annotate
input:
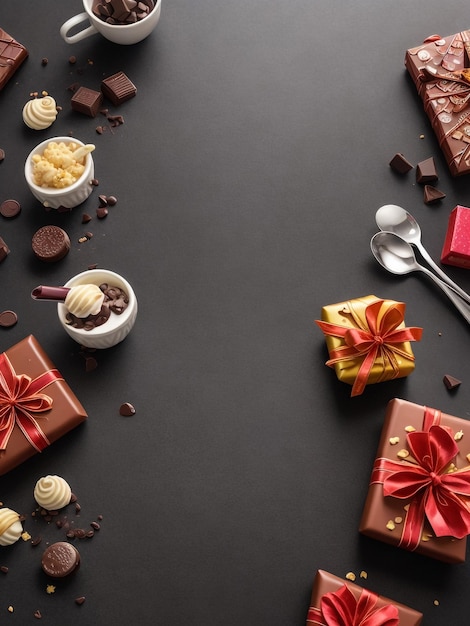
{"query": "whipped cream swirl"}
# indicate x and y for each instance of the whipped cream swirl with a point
(84, 300)
(52, 493)
(40, 113)
(10, 527)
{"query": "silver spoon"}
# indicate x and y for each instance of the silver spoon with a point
(397, 256)
(394, 219)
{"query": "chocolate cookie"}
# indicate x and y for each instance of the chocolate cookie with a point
(60, 559)
(50, 243)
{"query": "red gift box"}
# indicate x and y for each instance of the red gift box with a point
(329, 591)
(419, 493)
(438, 68)
(456, 250)
(36, 404)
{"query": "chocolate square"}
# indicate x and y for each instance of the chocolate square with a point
(87, 101)
(328, 583)
(383, 516)
(118, 88)
(28, 358)
(12, 55)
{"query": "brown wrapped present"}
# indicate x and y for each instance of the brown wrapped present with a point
(367, 341)
(36, 404)
(439, 69)
(419, 492)
(333, 596)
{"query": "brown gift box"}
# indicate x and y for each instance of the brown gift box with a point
(380, 510)
(446, 103)
(327, 583)
(28, 357)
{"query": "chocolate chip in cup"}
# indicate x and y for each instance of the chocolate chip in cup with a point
(50, 243)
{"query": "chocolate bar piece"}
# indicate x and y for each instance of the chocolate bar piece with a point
(12, 55)
(328, 583)
(384, 517)
(440, 70)
(27, 358)
(118, 88)
(87, 101)
(426, 171)
(400, 164)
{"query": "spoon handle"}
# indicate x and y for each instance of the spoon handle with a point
(426, 256)
(461, 305)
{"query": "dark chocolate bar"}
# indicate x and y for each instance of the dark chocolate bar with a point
(12, 55)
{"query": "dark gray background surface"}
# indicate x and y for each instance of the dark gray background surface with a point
(248, 173)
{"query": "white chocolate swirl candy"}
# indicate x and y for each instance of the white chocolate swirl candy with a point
(52, 493)
(10, 527)
(84, 300)
(40, 113)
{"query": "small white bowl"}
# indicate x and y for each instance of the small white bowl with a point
(117, 327)
(69, 197)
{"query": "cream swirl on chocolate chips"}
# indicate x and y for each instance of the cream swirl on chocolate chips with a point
(52, 492)
(40, 113)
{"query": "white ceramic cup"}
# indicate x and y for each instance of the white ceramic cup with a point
(68, 197)
(117, 327)
(125, 34)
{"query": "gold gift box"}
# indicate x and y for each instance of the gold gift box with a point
(348, 314)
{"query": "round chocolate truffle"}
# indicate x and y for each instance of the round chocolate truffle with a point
(50, 243)
(60, 559)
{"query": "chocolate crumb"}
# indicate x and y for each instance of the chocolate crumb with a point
(2, 154)
(101, 212)
(86, 218)
(4, 569)
(80, 600)
(112, 200)
(37, 614)
(451, 382)
(44, 61)
(126, 409)
(35, 541)
(72, 60)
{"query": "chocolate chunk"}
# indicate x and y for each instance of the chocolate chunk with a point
(118, 88)
(12, 55)
(426, 171)
(432, 194)
(86, 218)
(122, 12)
(50, 243)
(60, 559)
(126, 409)
(451, 382)
(10, 208)
(400, 164)
(8, 318)
(2, 154)
(80, 600)
(4, 250)
(101, 212)
(112, 200)
(87, 101)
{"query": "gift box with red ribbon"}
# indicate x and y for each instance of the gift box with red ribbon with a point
(338, 602)
(419, 492)
(440, 70)
(37, 406)
(367, 341)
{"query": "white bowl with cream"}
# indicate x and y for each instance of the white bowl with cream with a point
(67, 197)
(117, 327)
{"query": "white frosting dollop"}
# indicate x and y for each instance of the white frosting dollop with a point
(84, 300)
(52, 493)
(10, 527)
(40, 113)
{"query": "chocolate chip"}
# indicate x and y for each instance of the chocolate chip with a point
(4, 569)
(8, 319)
(80, 600)
(10, 208)
(86, 218)
(72, 60)
(90, 364)
(37, 614)
(35, 541)
(95, 182)
(101, 212)
(451, 382)
(4, 250)
(95, 525)
(2, 154)
(102, 200)
(126, 409)
(44, 61)
(112, 200)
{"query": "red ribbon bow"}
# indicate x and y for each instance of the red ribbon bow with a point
(377, 337)
(340, 608)
(441, 496)
(20, 397)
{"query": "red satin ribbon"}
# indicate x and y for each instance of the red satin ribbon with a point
(377, 337)
(340, 608)
(20, 397)
(440, 496)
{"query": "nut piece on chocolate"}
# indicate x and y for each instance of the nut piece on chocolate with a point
(399, 164)
(118, 88)
(12, 55)
(426, 171)
(50, 243)
(87, 101)
(60, 559)
(432, 194)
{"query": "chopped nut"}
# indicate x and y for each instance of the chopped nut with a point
(468, 457)
(50, 589)
(410, 429)
(403, 453)
(398, 519)
(363, 574)
(458, 435)
(390, 524)
(11, 609)
(436, 602)
(25, 536)
(394, 440)
(351, 576)
(451, 468)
